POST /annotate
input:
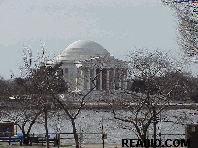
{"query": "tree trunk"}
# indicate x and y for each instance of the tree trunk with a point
(46, 130)
(33, 122)
(25, 136)
(75, 133)
(143, 137)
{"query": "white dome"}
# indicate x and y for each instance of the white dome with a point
(81, 50)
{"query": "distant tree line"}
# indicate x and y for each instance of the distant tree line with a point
(186, 83)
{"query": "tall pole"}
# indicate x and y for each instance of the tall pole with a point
(160, 130)
(80, 134)
(58, 135)
(102, 133)
(46, 129)
(154, 127)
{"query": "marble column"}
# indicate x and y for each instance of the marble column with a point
(94, 77)
(91, 78)
(122, 79)
(85, 78)
(82, 79)
(107, 79)
(88, 78)
(125, 78)
(104, 78)
(113, 79)
(117, 83)
(97, 79)
(100, 79)
(78, 75)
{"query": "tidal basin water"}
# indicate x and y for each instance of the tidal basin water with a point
(91, 121)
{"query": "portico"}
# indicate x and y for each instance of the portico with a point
(87, 65)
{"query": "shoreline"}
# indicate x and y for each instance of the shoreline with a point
(72, 145)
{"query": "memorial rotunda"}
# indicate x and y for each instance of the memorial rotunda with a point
(87, 65)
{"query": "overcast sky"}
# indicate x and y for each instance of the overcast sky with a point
(118, 25)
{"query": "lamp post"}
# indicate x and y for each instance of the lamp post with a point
(154, 127)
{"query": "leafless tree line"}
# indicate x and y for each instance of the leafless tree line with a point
(156, 82)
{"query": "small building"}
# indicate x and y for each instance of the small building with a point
(6, 129)
(191, 132)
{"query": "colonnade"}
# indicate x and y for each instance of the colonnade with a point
(103, 79)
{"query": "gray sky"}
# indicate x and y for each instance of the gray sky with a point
(118, 25)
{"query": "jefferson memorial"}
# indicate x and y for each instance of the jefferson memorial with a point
(87, 65)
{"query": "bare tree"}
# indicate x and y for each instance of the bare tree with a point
(72, 109)
(34, 88)
(19, 106)
(20, 109)
(151, 91)
(186, 18)
(14, 109)
(72, 104)
(44, 84)
(44, 80)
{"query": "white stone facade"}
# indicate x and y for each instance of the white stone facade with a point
(87, 65)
